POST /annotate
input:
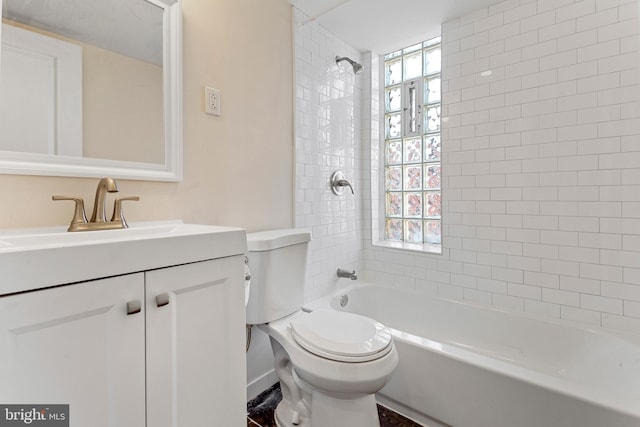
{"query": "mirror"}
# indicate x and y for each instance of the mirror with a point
(91, 88)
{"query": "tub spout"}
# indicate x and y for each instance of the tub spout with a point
(349, 274)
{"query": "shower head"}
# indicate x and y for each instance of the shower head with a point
(357, 67)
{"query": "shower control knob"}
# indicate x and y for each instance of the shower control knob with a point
(338, 183)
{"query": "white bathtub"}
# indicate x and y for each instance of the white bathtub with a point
(469, 366)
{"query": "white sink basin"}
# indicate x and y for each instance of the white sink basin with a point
(59, 237)
(36, 258)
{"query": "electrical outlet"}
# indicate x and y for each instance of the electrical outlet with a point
(211, 101)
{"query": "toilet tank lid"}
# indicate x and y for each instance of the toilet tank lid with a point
(274, 239)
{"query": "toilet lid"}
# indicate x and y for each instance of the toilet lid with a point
(340, 336)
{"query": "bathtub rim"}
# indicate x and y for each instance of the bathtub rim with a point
(623, 403)
(325, 301)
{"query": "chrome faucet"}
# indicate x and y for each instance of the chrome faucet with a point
(98, 219)
(338, 183)
(348, 274)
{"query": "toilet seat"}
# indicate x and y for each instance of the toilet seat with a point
(340, 336)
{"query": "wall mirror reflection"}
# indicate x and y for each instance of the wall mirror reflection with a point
(91, 87)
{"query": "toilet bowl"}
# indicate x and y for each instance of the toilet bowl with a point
(337, 369)
(329, 363)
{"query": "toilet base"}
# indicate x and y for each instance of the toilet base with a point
(358, 412)
(328, 411)
(284, 416)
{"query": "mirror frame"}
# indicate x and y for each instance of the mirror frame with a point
(51, 165)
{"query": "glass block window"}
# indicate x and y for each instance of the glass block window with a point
(412, 176)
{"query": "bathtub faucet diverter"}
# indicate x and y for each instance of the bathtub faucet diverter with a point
(349, 274)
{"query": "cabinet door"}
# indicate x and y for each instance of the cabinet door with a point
(196, 369)
(76, 345)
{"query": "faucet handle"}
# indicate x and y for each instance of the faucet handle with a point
(345, 183)
(79, 216)
(118, 214)
(338, 182)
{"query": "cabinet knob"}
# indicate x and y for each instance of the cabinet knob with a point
(134, 307)
(162, 299)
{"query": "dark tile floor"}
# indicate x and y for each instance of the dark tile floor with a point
(260, 412)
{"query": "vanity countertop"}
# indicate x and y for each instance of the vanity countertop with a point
(43, 257)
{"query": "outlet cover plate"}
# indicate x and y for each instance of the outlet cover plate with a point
(211, 101)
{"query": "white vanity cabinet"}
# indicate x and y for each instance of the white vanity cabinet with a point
(163, 347)
(196, 366)
(76, 344)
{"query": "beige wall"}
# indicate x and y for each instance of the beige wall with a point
(122, 107)
(238, 168)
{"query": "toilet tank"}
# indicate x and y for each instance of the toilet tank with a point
(278, 264)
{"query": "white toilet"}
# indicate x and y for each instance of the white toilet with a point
(329, 363)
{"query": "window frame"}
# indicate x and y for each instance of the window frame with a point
(420, 107)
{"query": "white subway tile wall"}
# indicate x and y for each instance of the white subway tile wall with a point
(541, 164)
(328, 133)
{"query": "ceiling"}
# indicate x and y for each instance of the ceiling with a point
(382, 26)
(379, 26)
